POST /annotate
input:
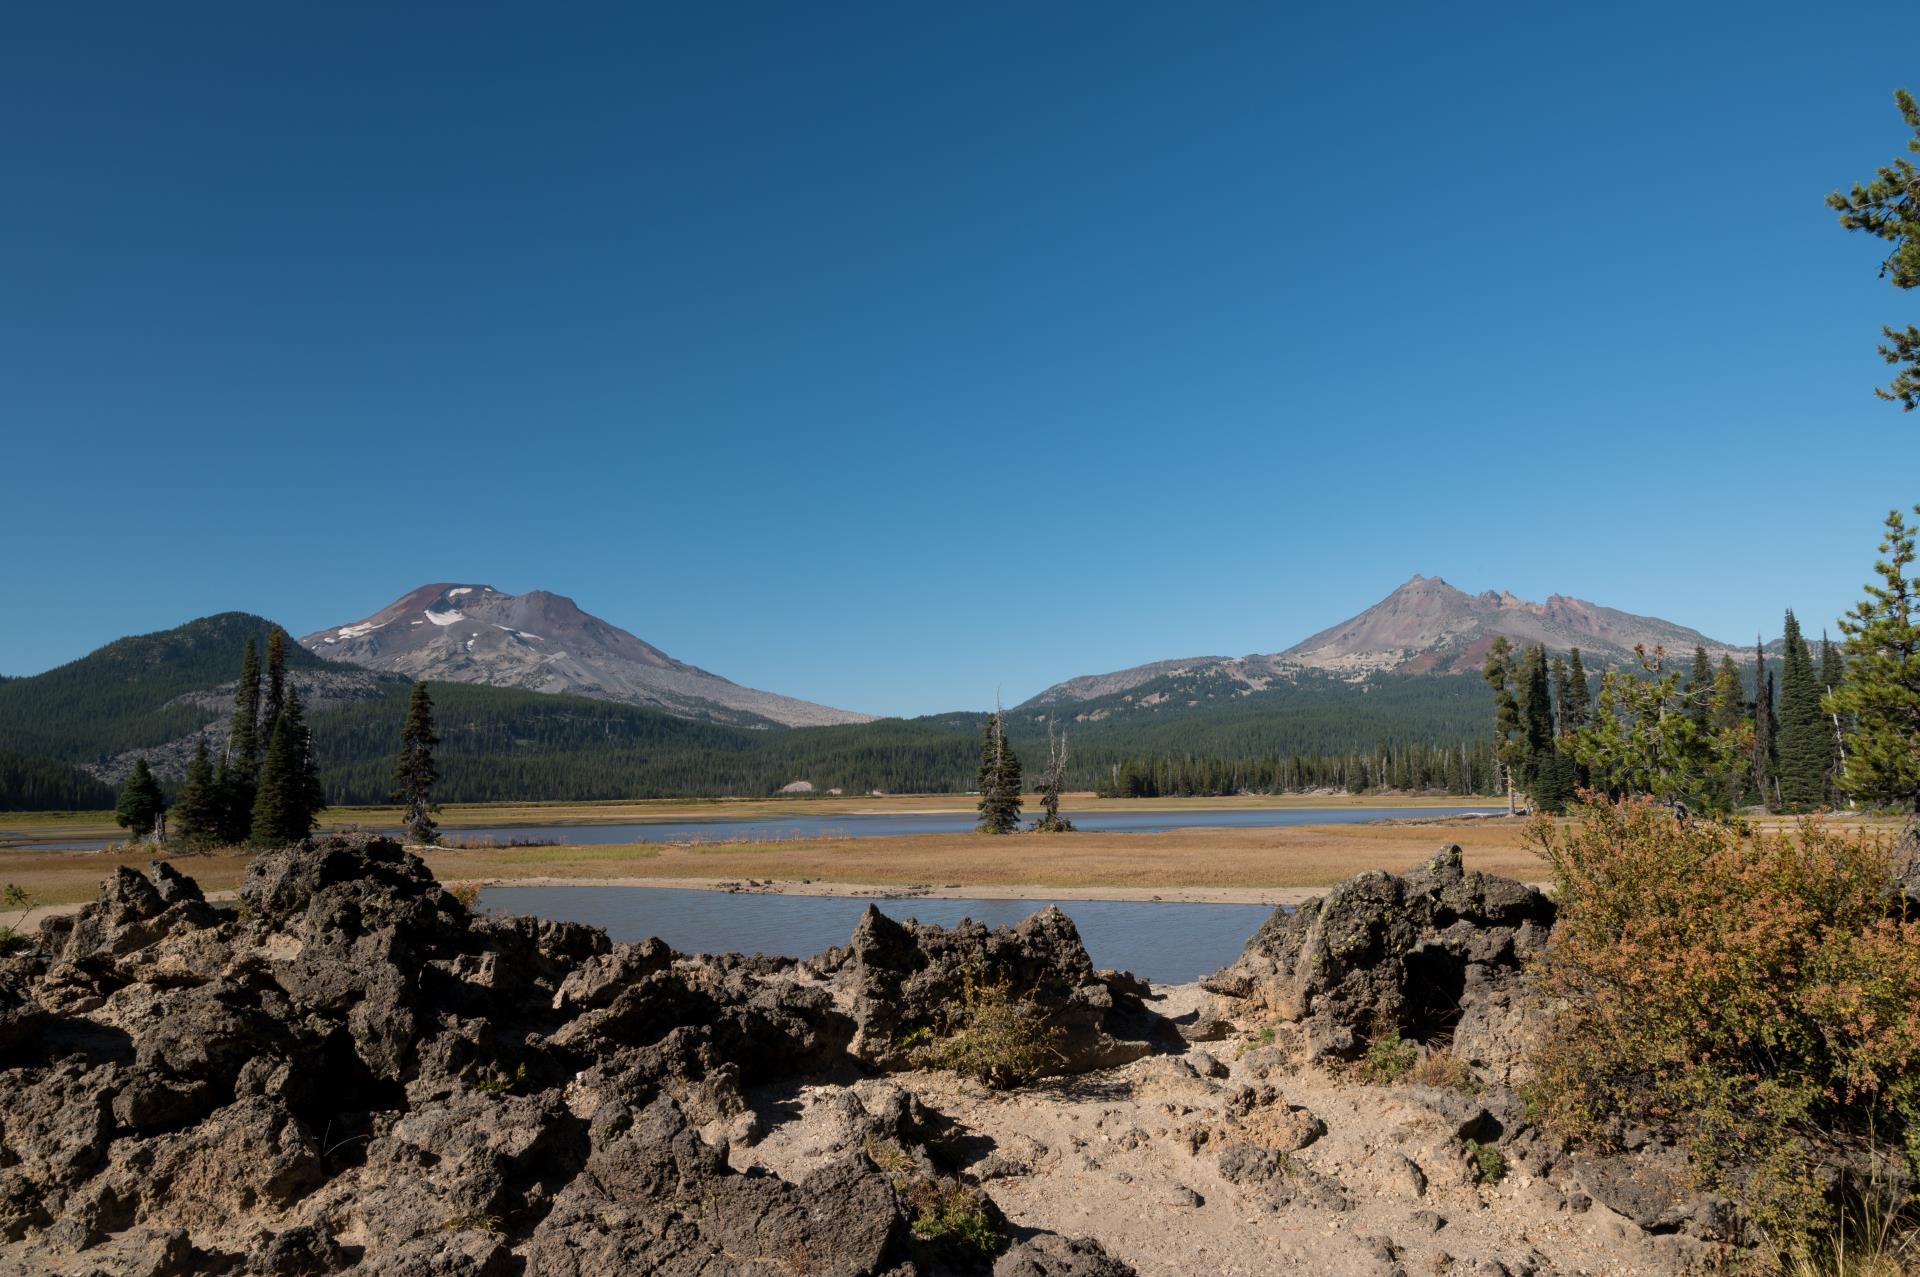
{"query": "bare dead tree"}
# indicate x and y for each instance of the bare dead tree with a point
(1051, 779)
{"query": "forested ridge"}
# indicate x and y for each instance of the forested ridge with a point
(1313, 732)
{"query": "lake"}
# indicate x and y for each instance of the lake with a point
(1163, 942)
(884, 825)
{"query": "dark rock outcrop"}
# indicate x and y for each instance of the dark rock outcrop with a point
(905, 979)
(352, 1073)
(1435, 955)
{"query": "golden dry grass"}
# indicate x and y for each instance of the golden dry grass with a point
(1297, 856)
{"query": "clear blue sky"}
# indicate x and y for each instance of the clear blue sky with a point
(888, 354)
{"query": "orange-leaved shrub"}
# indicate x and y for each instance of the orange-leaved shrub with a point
(1757, 994)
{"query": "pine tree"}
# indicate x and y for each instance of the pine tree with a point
(1577, 705)
(276, 697)
(288, 797)
(142, 808)
(1731, 731)
(1700, 689)
(999, 779)
(414, 774)
(1547, 772)
(197, 816)
(1508, 732)
(1888, 208)
(1880, 699)
(1763, 725)
(243, 736)
(1804, 744)
(1561, 693)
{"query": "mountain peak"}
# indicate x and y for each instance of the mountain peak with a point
(544, 642)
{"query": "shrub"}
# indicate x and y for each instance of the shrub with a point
(14, 897)
(1759, 995)
(1489, 1164)
(946, 1214)
(1439, 1066)
(995, 1037)
(1389, 1059)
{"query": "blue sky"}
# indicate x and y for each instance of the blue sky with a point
(887, 355)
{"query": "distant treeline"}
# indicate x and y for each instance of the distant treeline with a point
(1467, 768)
(37, 784)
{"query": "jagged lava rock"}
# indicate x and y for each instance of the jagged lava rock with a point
(1432, 955)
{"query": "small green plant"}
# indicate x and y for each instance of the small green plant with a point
(467, 893)
(503, 1083)
(1488, 1163)
(997, 1038)
(14, 897)
(946, 1214)
(474, 1222)
(914, 1039)
(1389, 1059)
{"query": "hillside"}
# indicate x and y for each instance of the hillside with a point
(542, 642)
(1418, 650)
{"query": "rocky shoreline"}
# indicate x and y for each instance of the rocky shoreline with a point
(348, 1071)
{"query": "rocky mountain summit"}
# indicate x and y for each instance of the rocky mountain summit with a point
(349, 1071)
(543, 642)
(1426, 626)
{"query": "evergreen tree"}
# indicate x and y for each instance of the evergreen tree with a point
(1577, 705)
(1509, 733)
(288, 796)
(240, 764)
(1700, 689)
(243, 736)
(1880, 699)
(197, 816)
(1763, 725)
(276, 697)
(1804, 745)
(1731, 731)
(142, 808)
(999, 779)
(1548, 773)
(1888, 208)
(1560, 693)
(414, 774)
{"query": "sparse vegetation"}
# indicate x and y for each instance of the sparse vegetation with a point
(993, 1036)
(1389, 1058)
(946, 1214)
(1488, 1163)
(14, 898)
(1439, 1066)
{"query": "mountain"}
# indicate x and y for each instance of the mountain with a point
(1426, 627)
(541, 642)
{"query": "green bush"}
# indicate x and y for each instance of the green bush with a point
(1758, 995)
(945, 1214)
(995, 1037)
(1389, 1059)
(1489, 1163)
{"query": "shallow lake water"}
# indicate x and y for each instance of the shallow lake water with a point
(1162, 942)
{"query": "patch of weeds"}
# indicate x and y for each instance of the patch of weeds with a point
(467, 893)
(914, 1039)
(946, 1215)
(15, 897)
(474, 1222)
(1439, 1066)
(1489, 1163)
(996, 1038)
(503, 1083)
(1389, 1059)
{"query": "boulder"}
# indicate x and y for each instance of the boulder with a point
(1417, 955)
(906, 980)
